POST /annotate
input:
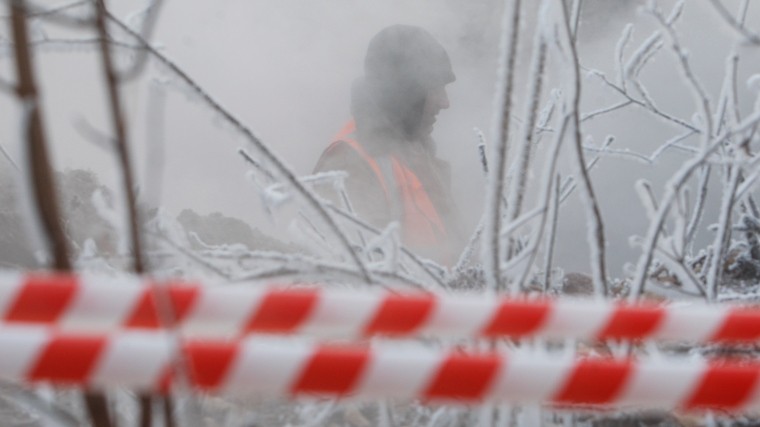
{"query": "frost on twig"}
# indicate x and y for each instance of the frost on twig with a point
(525, 143)
(279, 167)
(671, 190)
(595, 226)
(738, 25)
(492, 253)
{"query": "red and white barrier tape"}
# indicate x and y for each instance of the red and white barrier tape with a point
(286, 367)
(91, 303)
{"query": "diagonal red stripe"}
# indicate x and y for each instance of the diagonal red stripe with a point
(724, 386)
(67, 359)
(183, 298)
(740, 324)
(42, 299)
(283, 310)
(463, 377)
(398, 315)
(633, 321)
(518, 318)
(595, 381)
(331, 370)
(210, 362)
(144, 314)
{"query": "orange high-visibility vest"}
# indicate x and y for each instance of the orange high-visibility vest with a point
(421, 224)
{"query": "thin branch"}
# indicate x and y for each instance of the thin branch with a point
(411, 255)
(42, 173)
(594, 216)
(312, 269)
(279, 166)
(491, 241)
(651, 108)
(698, 91)
(575, 18)
(671, 190)
(552, 236)
(591, 115)
(519, 182)
(738, 26)
(193, 257)
(120, 134)
(469, 249)
(723, 235)
(149, 23)
(683, 272)
(40, 169)
(56, 15)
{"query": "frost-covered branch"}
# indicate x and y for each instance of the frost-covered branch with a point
(700, 95)
(421, 264)
(671, 190)
(149, 20)
(494, 208)
(723, 234)
(263, 149)
(594, 216)
(738, 25)
(647, 106)
(524, 149)
(551, 236)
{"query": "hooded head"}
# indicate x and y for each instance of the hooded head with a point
(403, 67)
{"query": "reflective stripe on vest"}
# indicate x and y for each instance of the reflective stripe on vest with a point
(421, 223)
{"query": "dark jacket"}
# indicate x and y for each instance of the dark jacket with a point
(379, 206)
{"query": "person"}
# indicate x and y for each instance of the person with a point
(387, 150)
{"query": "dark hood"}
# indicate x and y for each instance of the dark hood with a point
(403, 63)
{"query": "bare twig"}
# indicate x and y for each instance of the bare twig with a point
(700, 95)
(56, 15)
(699, 206)
(149, 23)
(575, 18)
(599, 112)
(625, 37)
(41, 172)
(120, 134)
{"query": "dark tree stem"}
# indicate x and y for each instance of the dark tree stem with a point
(42, 173)
(40, 170)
